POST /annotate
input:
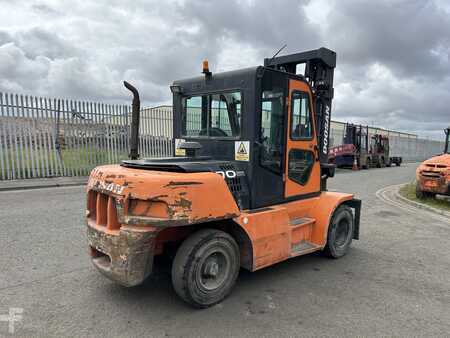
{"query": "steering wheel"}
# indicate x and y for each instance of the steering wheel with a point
(213, 132)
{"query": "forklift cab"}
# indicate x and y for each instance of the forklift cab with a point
(264, 129)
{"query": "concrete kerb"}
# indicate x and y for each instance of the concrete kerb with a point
(417, 204)
(38, 183)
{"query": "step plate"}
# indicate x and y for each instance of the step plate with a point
(303, 247)
(302, 221)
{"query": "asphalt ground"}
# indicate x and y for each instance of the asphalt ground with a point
(395, 281)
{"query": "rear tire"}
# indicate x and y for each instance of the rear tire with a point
(340, 232)
(206, 267)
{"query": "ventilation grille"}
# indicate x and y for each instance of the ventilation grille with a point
(102, 210)
(429, 173)
(234, 183)
(438, 166)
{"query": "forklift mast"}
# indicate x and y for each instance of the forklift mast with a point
(447, 141)
(319, 72)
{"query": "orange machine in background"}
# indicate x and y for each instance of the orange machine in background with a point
(433, 175)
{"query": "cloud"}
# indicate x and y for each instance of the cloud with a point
(18, 72)
(410, 37)
(393, 63)
(393, 56)
(394, 103)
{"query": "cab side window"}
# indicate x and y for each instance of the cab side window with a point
(301, 125)
(271, 132)
(272, 122)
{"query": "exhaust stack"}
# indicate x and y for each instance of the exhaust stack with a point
(136, 107)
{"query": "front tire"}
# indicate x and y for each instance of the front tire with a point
(340, 232)
(206, 267)
(419, 193)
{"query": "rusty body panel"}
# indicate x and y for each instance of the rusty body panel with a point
(159, 198)
(125, 256)
(433, 175)
(128, 208)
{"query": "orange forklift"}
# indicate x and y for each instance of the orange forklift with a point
(245, 187)
(433, 175)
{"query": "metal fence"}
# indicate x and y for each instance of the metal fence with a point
(41, 137)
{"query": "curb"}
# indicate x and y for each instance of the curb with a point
(417, 204)
(41, 183)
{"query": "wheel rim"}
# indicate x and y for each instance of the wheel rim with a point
(342, 230)
(213, 271)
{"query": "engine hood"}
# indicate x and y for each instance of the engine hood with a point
(153, 197)
(443, 159)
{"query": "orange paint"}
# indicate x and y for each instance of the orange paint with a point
(273, 235)
(164, 197)
(293, 188)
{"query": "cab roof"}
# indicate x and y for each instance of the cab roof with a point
(234, 79)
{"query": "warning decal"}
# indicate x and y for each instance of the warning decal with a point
(242, 151)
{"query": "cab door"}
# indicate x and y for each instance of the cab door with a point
(302, 169)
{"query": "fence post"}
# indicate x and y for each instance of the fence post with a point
(4, 153)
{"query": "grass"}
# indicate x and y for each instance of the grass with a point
(84, 160)
(76, 161)
(409, 191)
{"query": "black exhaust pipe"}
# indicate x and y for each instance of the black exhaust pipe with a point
(135, 111)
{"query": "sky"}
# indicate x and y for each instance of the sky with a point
(393, 63)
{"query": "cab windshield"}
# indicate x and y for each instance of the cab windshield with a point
(212, 115)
